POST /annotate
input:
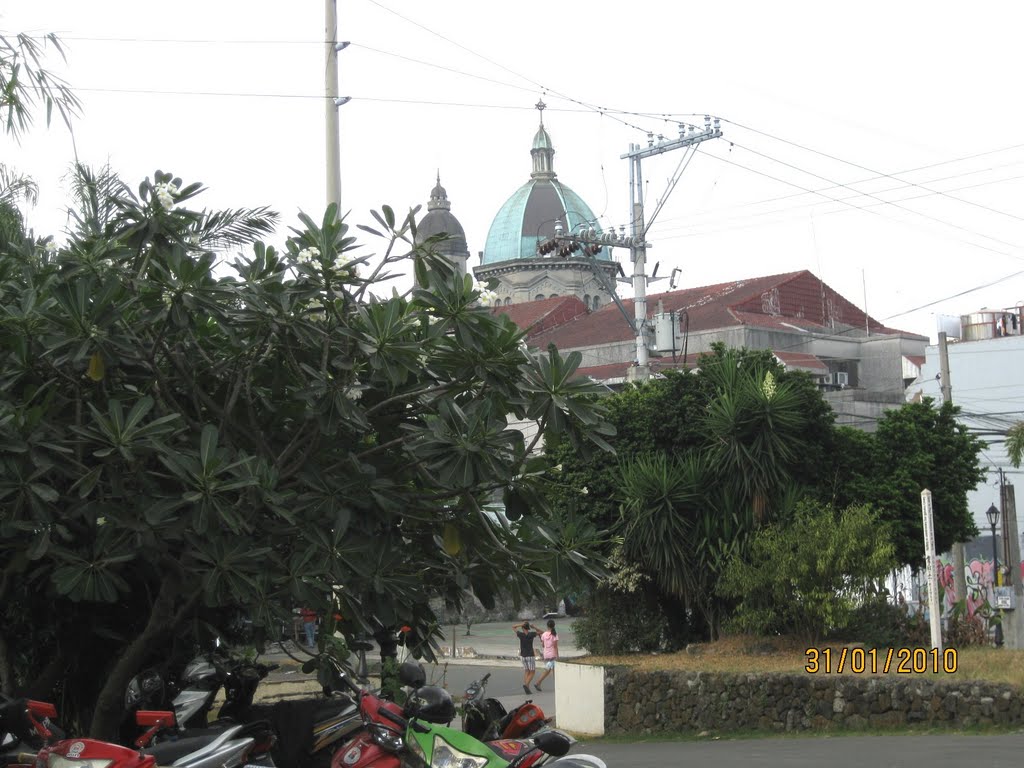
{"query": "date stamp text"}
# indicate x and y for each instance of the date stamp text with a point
(873, 661)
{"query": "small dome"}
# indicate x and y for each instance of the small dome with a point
(440, 219)
(541, 140)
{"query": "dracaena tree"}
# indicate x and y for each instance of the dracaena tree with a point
(182, 437)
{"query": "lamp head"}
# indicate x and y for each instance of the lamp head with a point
(992, 513)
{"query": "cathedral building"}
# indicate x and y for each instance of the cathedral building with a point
(863, 365)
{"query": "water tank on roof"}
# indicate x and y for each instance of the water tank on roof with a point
(991, 324)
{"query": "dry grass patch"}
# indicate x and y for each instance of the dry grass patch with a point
(786, 655)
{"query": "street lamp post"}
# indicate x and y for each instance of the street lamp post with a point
(992, 513)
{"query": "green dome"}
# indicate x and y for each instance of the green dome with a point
(529, 216)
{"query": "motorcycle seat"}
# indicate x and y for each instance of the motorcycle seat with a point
(167, 752)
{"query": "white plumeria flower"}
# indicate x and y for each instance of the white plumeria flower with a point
(168, 298)
(585, 491)
(354, 394)
(165, 192)
(308, 255)
(556, 468)
(51, 246)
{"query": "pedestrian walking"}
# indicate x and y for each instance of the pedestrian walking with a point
(526, 635)
(549, 641)
(309, 625)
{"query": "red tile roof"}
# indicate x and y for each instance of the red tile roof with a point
(538, 316)
(801, 361)
(917, 360)
(792, 300)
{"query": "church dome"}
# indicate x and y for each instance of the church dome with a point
(440, 219)
(529, 215)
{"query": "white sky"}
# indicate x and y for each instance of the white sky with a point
(889, 86)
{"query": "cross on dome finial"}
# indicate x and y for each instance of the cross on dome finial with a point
(541, 106)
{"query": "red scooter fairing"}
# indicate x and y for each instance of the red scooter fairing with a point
(77, 752)
(363, 752)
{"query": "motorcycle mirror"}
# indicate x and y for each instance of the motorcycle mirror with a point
(553, 743)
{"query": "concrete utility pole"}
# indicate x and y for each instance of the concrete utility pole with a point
(638, 229)
(1013, 621)
(333, 135)
(959, 558)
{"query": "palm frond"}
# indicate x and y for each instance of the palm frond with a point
(221, 229)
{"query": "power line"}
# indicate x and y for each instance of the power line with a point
(879, 199)
(725, 221)
(880, 174)
(541, 86)
(441, 67)
(857, 208)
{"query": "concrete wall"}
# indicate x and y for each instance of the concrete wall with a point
(580, 699)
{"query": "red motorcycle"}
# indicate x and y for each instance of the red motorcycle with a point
(29, 722)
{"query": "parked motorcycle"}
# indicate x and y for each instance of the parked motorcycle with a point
(309, 730)
(414, 734)
(231, 747)
(486, 719)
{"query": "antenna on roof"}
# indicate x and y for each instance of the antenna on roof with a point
(672, 278)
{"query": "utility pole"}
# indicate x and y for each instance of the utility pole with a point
(959, 558)
(331, 103)
(638, 229)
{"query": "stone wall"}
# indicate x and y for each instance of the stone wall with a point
(651, 702)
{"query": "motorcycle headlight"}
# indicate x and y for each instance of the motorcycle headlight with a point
(59, 761)
(447, 756)
(386, 738)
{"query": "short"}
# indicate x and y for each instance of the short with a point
(529, 663)
(549, 663)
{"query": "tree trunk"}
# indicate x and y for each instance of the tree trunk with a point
(44, 683)
(6, 668)
(110, 702)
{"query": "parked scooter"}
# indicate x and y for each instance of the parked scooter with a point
(414, 734)
(309, 731)
(486, 719)
(232, 747)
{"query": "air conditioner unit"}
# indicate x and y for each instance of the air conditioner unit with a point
(826, 379)
(842, 379)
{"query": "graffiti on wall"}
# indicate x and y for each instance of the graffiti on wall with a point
(978, 573)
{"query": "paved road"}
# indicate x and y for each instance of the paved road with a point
(932, 751)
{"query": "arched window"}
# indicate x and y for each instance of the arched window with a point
(497, 302)
(538, 297)
(508, 301)
(597, 302)
(586, 300)
(553, 296)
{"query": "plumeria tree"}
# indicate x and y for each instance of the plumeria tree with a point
(184, 438)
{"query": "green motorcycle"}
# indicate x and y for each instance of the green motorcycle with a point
(417, 736)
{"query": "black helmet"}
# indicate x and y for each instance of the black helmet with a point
(431, 703)
(412, 674)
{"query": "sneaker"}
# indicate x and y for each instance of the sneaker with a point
(537, 689)
(526, 688)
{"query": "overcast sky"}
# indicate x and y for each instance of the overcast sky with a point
(230, 93)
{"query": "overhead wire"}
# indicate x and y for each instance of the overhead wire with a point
(880, 174)
(851, 205)
(886, 190)
(875, 197)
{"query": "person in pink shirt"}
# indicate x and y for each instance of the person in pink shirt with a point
(549, 640)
